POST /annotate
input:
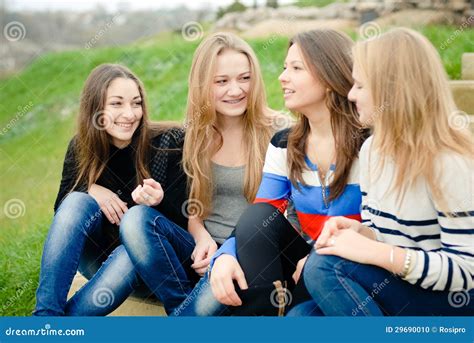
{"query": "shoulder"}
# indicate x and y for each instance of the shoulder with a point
(280, 139)
(169, 139)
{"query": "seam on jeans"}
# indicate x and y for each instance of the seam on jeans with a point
(348, 288)
(167, 256)
(178, 228)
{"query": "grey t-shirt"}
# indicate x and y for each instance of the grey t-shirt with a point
(228, 201)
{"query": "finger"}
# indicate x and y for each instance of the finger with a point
(117, 209)
(201, 264)
(218, 290)
(153, 194)
(201, 271)
(328, 230)
(231, 295)
(295, 276)
(122, 204)
(107, 214)
(112, 213)
(152, 183)
(326, 251)
(240, 278)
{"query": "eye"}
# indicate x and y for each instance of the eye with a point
(297, 68)
(221, 82)
(115, 103)
(246, 78)
(138, 103)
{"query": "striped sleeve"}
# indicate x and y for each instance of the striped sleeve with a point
(275, 187)
(452, 267)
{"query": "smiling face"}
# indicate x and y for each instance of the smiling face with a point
(231, 83)
(123, 107)
(302, 91)
(361, 95)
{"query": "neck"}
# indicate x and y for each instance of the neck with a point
(228, 123)
(120, 144)
(320, 121)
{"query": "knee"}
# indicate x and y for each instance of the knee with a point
(78, 208)
(261, 217)
(139, 222)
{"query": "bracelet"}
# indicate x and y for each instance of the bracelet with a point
(407, 264)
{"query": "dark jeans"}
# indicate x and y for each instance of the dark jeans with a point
(161, 252)
(340, 287)
(268, 249)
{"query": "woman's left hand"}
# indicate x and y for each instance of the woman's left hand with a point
(150, 194)
(350, 245)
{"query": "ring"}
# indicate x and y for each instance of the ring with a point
(332, 242)
(146, 197)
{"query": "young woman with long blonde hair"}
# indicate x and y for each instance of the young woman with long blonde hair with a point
(228, 127)
(413, 253)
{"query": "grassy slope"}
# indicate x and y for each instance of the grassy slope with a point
(33, 146)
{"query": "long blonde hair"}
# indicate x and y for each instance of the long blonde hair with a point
(413, 105)
(202, 132)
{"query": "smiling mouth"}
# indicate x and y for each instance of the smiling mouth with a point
(124, 125)
(232, 102)
(288, 91)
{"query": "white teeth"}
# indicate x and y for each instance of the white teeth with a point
(233, 101)
(127, 126)
(288, 91)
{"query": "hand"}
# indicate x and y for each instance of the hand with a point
(203, 251)
(352, 246)
(150, 194)
(225, 270)
(299, 268)
(332, 226)
(109, 202)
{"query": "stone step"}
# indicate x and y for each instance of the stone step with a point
(463, 93)
(133, 306)
(467, 65)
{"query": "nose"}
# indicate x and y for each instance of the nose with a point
(283, 76)
(234, 89)
(351, 95)
(128, 113)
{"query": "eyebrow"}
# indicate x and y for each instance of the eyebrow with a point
(246, 72)
(295, 61)
(121, 97)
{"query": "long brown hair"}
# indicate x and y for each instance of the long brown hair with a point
(92, 142)
(203, 139)
(328, 56)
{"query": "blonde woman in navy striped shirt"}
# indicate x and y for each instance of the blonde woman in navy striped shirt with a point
(413, 253)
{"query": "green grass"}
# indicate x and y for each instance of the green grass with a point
(33, 141)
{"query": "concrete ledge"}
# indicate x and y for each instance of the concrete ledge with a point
(467, 66)
(463, 93)
(133, 306)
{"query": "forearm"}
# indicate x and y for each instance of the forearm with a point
(196, 228)
(380, 256)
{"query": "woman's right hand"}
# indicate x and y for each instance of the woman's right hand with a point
(225, 270)
(109, 202)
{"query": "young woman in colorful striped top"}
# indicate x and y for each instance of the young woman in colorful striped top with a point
(314, 164)
(413, 254)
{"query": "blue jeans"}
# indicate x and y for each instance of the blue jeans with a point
(76, 241)
(201, 302)
(340, 287)
(161, 253)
